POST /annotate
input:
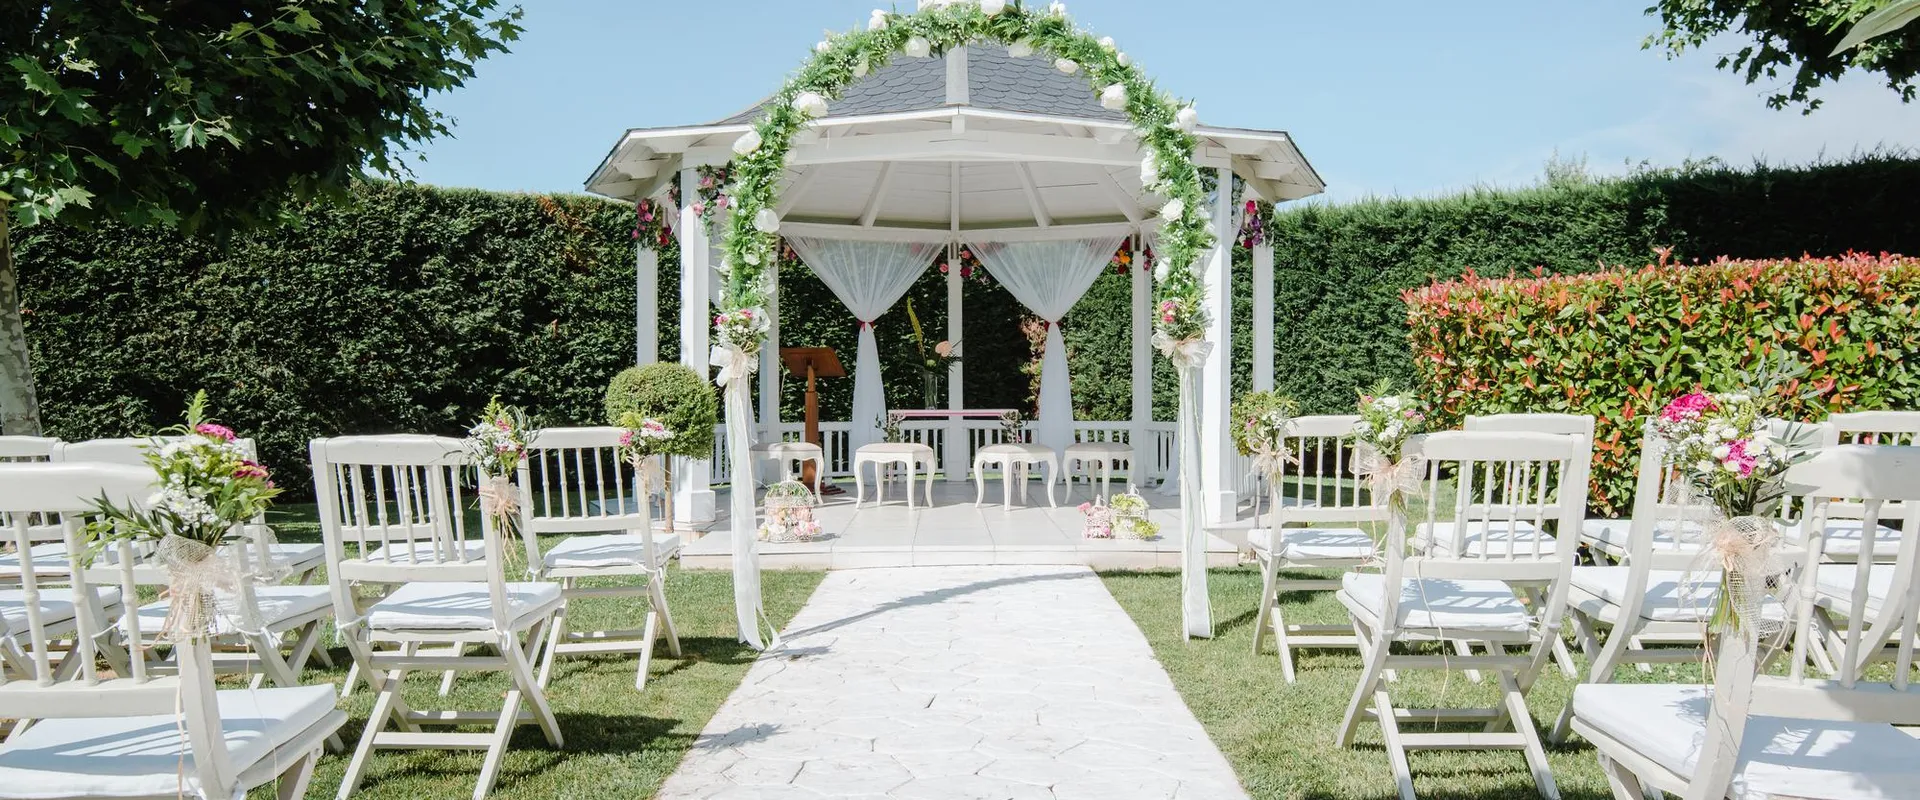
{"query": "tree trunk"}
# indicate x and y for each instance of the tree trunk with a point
(666, 494)
(19, 409)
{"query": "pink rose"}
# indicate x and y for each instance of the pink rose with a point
(218, 433)
(1688, 407)
(1739, 458)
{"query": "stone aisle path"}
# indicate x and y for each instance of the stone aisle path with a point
(957, 683)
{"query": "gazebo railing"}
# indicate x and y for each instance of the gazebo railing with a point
(971, 434)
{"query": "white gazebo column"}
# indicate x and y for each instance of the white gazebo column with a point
(1217, 457)
(955, 460)
(770, 366)
(646, 304)
(1141, 467)
(1263, 316)
(692, 493)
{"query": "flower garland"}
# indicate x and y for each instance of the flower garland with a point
(1164, 127)
(650, 224)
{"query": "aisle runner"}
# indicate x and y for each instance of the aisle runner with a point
(957, 683)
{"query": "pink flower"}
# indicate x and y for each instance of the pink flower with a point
(250, 469)
(1739, 458)
(943, 349)
(626, 438)
(943, 269)
(1084, 506)
(1688, 407)
(699, 208)
(218, 433)
(966, 272)
(503, 424)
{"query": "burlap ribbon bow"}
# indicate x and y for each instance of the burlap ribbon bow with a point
(203, 588)
(1185, 353)
(734, 364)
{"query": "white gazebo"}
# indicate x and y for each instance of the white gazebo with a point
(976, 148)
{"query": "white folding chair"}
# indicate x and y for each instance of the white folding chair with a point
(132, 734)
(1469, 590)
(1322, 492)
(302, 561)
(584, 491)
(392, 512)
(1844, 528)
(1753, 736)
(1652, 597)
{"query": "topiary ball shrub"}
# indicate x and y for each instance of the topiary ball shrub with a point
(680, 398)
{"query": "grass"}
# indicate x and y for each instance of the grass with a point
(1279, 737)
(619, 742)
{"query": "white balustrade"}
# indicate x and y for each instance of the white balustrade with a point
(936, 433)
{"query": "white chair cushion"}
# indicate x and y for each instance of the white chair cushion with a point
(1430, 604)
(1501, 537)
(1315, 543)
(1779, 757)
(146, 756)
(1843, 539)
(56, 606)
(609, 550)
(1834, 583)
(459, 606)
(277, 605)
(298, 557)
(1614, 535)
(424, 552)
(1669, 595)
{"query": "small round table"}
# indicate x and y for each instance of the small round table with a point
(789, 452)
(884, 454)
(1014, 459)
(1082, 457)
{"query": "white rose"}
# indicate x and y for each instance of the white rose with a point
(822, 46)
(1173, 209)
(860, 69)
(1057, 9)
(1161, 270)
(919, 47)
(1732, 467)
(1149, 171)
(1108, 43)
(1124, 59)
(1187, 119)
(747, 143)
(878, 22)
(1721, 451)
(993, 8)
(1020, 49)
(1114, 97)
(766, 221)
(810, 104)
(1066, 65)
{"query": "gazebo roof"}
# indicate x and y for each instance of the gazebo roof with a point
(974, 139)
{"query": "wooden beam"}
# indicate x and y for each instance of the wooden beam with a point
(794, 193)
(1040, 216)
(1121, 197)
(879, 194)
(945, 145)
(953, 198)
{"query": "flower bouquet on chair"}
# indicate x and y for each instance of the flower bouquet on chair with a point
(642, 438)
(1387, 420)
(495, 446)
(207, 490)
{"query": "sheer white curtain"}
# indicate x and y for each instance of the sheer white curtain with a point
(1048, 278)
(869, 277)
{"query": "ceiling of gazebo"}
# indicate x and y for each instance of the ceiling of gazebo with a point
(974, 139)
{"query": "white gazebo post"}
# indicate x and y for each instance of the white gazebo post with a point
(646, 306)
(770, 366)
(1140, 468)
(1263, 315)
(955, 461)
(1217, 457)
(692, 493)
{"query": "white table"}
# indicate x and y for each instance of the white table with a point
(788, 452)
(884, 454)
(1014, 459)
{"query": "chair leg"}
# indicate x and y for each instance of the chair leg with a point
(1625, 784)
(1053, 477)
(651, 629)
(1465, 648)
(522, 675)
(502, 733)
(1396, 750)
(556, 634)
(293, 782)
(979, 483)
(1516, 705)
(387, 705)
(1376, 661)
(657, 591)
(1268, 573)
(1282, 641)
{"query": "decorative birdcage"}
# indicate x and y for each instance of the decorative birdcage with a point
(789, 514)
(1130, 517)
(1099, 524)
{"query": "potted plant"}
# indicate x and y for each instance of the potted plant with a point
(677, 398)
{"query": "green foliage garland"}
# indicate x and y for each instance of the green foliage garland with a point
(1163, 126)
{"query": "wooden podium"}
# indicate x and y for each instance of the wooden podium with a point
(812, 363)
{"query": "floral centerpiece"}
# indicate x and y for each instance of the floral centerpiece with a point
(208, 487)
(1099, 522)
(1261, 421)
(1387, 420)
(495, 446)
(934, 360)
(789, 514)
(1130, 516)
(641, 438)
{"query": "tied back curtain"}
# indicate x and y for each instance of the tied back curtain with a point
(1048, 278)
(869, 277)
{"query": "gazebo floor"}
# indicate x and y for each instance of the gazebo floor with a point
(955, 532)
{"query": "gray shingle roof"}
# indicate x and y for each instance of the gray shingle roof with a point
(995, 81)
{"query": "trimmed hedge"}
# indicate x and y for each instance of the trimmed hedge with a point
(1339, 318)
(1619, 345)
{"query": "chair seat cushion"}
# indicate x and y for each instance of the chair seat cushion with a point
(1495, 538)
(1834, 584)
(1671, 595)
(1615, 535)
(56, 606)
(610, 550)
(1844, 538)
(1779, 757)
(460, 606)
(278, 605)
(1435, 604)
(423, 552)
(1314, 543)
(298, 556)
(146, 756)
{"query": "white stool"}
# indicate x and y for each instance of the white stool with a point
(1014, 459)
(1081, 457)
(789, 452)
(884, 454)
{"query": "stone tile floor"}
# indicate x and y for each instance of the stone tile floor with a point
(957, 683)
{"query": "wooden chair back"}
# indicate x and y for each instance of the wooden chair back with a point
(15, 449)
(583, 486)
(1320, 466)
(1499, 482)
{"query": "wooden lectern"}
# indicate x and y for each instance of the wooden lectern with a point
(812, 363)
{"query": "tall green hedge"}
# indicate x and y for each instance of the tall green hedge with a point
(1619, 345)
(1339, 321)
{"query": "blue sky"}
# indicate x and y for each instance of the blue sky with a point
(1402, 97)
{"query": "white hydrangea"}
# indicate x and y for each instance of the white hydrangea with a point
(1149, 171)
(1108, 44)
(1187, 119)
(861, 67)
(993, 8)
(1057, 9)
(1124, 59)
(766, 221)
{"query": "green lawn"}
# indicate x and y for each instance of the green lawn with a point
(1279, 737)
(619, 742)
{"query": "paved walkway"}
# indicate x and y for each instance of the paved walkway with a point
(957, 683)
